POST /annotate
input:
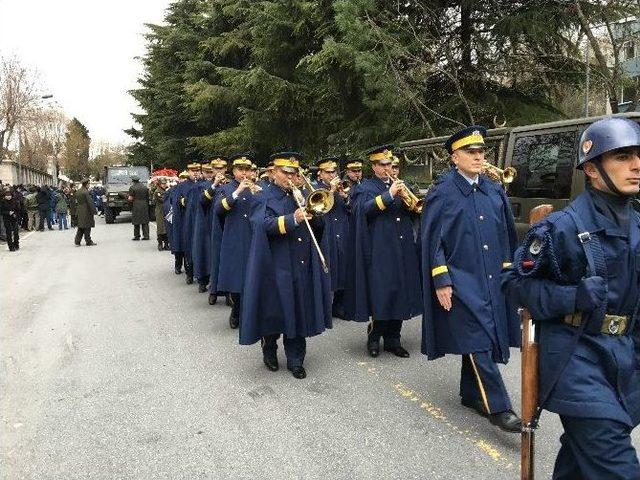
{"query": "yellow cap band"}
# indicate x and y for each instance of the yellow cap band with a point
(329, 165)
(286, 162)
(354, 165)
(439, 270)
(242, 161)
(281, 225)
(194, 166)
(375, 157)
(463, 142)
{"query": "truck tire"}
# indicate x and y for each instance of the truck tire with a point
(109, 215)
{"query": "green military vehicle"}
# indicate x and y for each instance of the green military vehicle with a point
(543, 155)
(116, 182)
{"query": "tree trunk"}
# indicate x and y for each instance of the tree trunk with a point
(602, 61)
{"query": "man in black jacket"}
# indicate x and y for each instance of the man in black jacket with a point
(44, 196)
(11, 209)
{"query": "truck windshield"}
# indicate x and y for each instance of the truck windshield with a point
(123, 174)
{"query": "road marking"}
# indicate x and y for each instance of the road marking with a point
(438, 414)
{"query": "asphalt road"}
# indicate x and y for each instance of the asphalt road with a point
(114, 368)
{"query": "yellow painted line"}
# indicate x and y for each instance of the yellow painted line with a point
(438, 414)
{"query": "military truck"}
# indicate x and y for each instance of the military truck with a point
(542, 154)
(116, 182)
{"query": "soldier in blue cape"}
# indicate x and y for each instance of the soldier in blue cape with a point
(192, 204)
(468, 237)
(201, 245)
(169, 200)
(178, 210)
(286, 290)
(578, 273)
(385, 283)
(207, 200)
(231, 233)
(336, 231)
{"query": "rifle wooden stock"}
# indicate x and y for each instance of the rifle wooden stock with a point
(529, 365)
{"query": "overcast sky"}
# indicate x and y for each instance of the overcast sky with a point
(84, 51)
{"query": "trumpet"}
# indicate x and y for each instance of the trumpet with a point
(319, 201)
(505, 177)
(224, 180)
(254, 187)
(300, 201)
(410, 199)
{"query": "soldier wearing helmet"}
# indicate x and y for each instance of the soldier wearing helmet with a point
(578, 272)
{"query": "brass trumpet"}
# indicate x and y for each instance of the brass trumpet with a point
(411, 201)
(496, 174)
(254, 187)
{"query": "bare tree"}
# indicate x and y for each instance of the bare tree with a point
(18, 95)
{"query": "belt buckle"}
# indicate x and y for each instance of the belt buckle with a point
(616, 324)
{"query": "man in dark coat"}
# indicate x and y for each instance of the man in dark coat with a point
(85, 210)
(159, 193)
(73, 206)
(139, 197)
(44, 198)
(231, 233)
(468, 237)
(578, 273)
(385, 276)
(286, 290)
(11, 210)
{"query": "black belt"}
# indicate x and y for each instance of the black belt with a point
(611, 325)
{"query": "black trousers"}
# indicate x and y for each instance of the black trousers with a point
(235, 304)
(294, 348)
(145, 230)
(188, 268)
(44, 215)
(83, 232)
(179, 258)
(13, 231)
(389, 330)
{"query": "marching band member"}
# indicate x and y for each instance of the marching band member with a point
(178, 211)
(386, 277)
(286, 291)
(231, 233)
(468, 236)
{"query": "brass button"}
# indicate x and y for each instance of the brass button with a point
(299, 239)
(302, 261)
(481, 217)
(486, 247)
(490, 277)
(397, 219)
(400, 237)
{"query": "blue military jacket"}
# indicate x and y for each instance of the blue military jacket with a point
(178, 203)
(468, 236)
(385, 281)
(591, 375)
(201, 236)
(335, 239)
(286, 290)
(232, 232)
(192, 206)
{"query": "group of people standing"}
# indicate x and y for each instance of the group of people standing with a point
(31, 207)
(292, 254)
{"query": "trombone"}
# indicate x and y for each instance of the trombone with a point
(319, 201)
(300, 201)
(412, 202)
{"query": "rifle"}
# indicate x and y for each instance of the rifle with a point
(529, 365)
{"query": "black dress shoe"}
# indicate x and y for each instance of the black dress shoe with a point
(177, 271)
(271, 363)
(159, 246)
(397, 351)
(189, 280)
(91, 244)
(233, 321)
(298, 372)
(135, 239)
(476, 405)
(373, 347)
(507, 421)
(145, 238)
(213, 299)
(202, 288)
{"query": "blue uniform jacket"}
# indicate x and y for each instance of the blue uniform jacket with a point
(594, 375)
(234, 240)
(285, 291)
(468, 237)
(178, 203)
(335, 239)
(192, 206)
(167, 212)
(385, 277)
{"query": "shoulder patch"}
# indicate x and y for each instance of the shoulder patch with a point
(537, 250)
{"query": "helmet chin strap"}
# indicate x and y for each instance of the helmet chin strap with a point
(607, 180)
